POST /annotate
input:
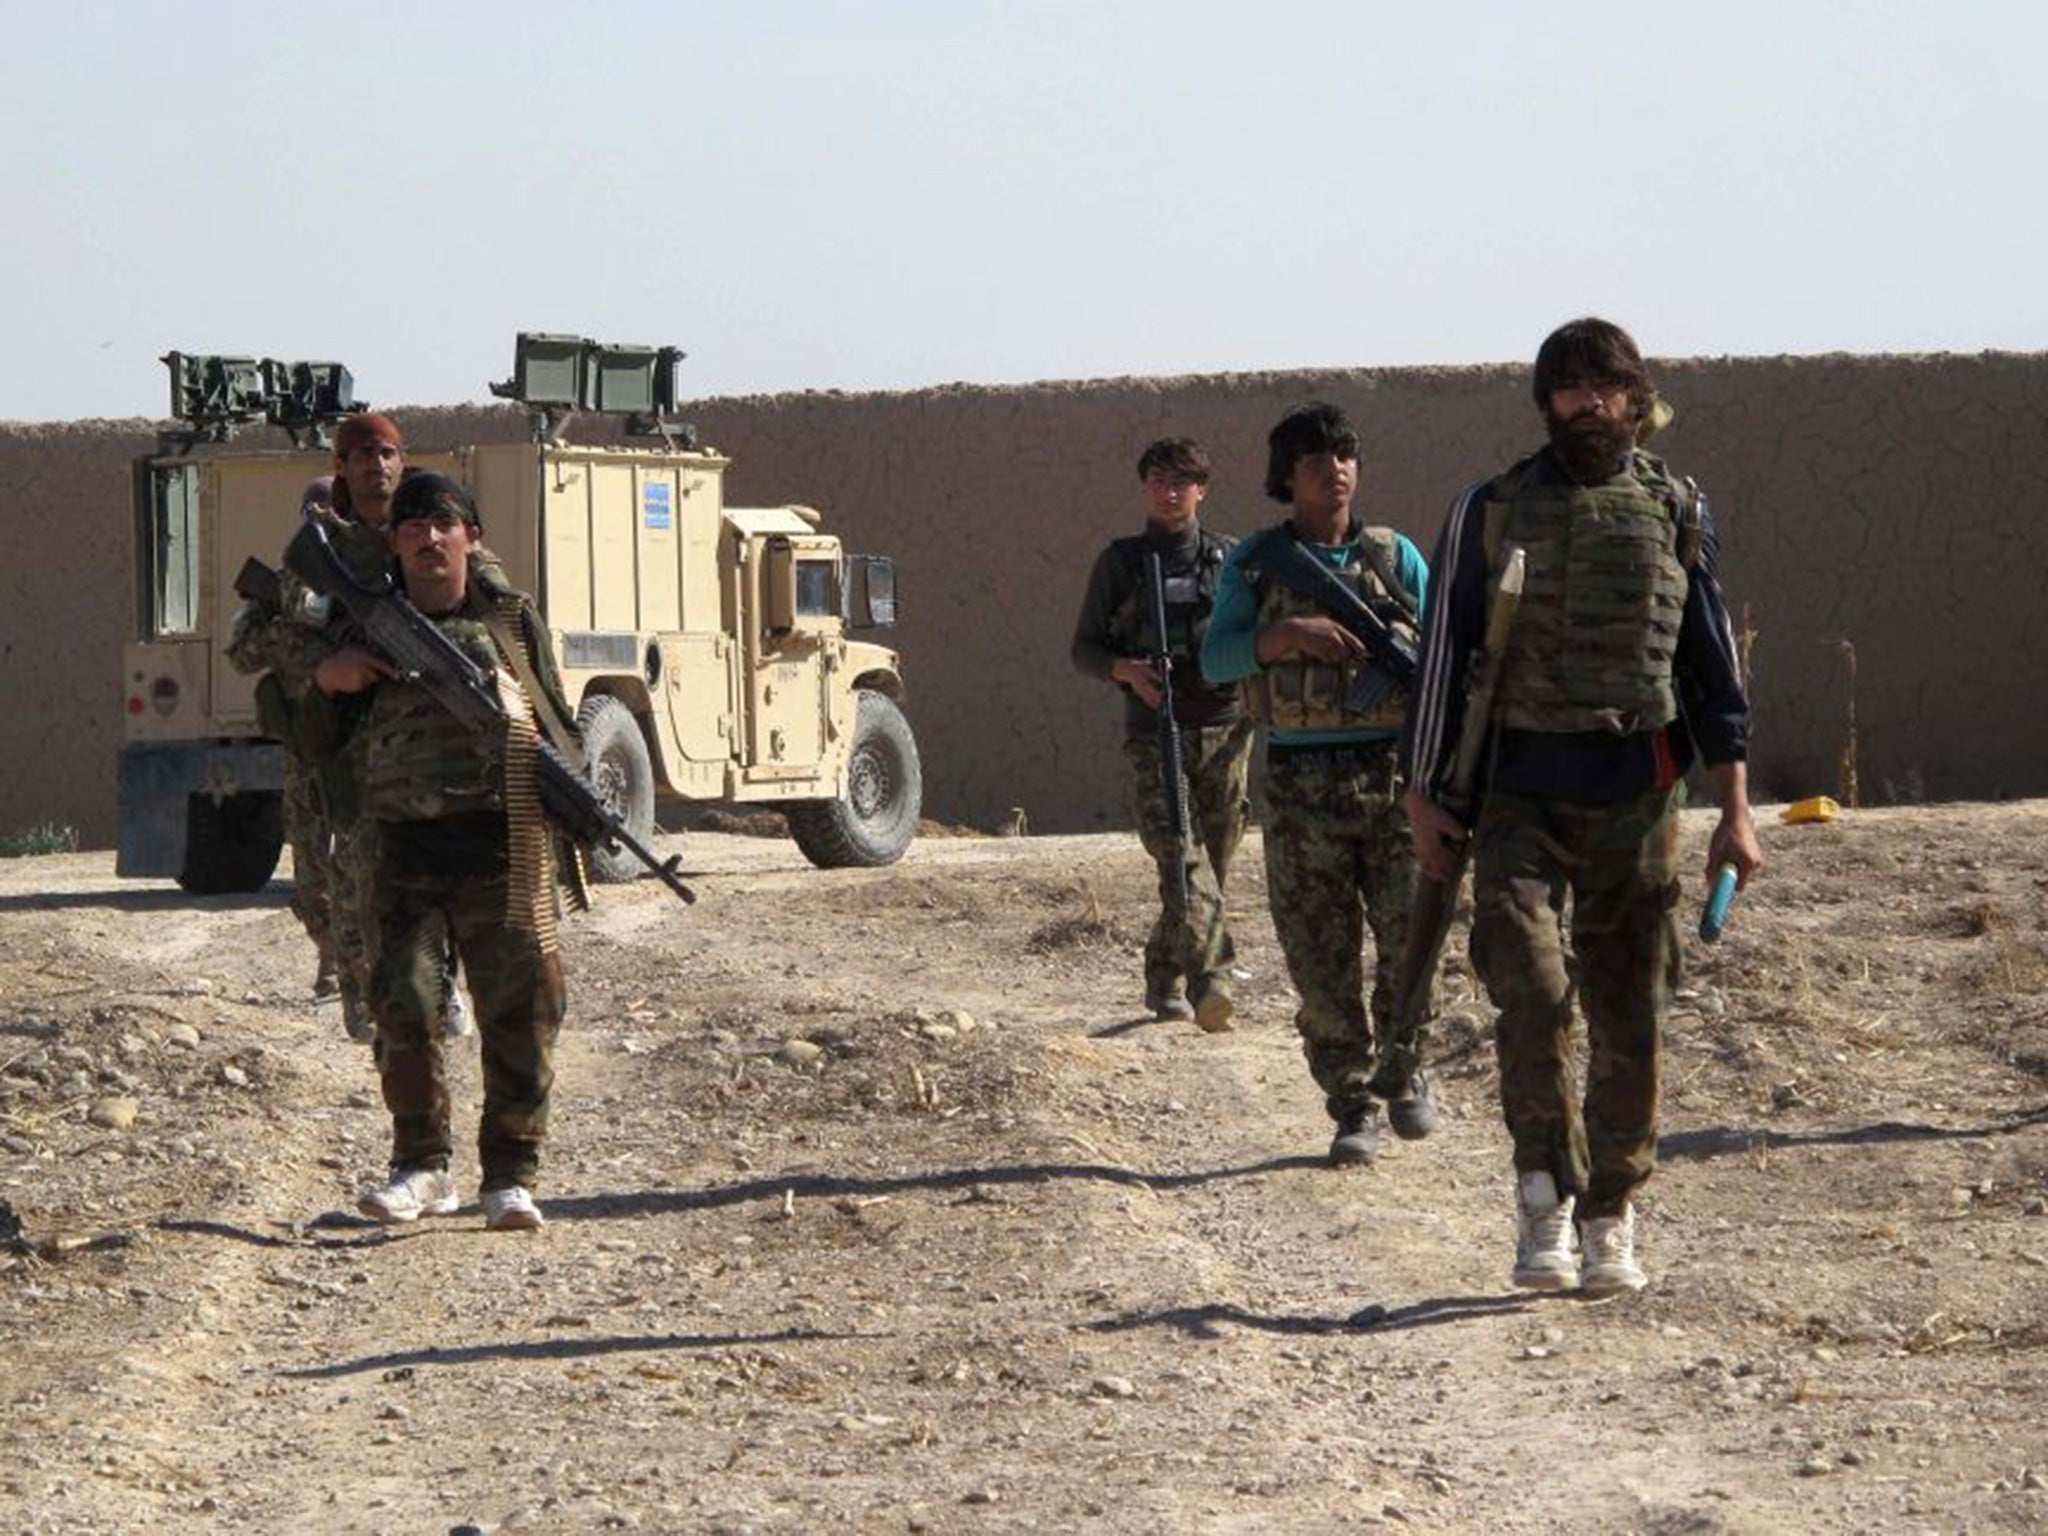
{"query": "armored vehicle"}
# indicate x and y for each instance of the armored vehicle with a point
(708, 648)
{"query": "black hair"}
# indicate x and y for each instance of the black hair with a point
(424, 493)
(1181, 456)
(1592, 351)
(1317, 427)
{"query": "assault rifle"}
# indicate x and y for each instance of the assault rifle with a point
(1171, 769)
(408, 639)
(1435, 902)
(1392, 655)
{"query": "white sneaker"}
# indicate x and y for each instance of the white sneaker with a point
(1610, 1244)
(409, 1194)
(511, 1210)
(1543, 1236)
(458, 1020)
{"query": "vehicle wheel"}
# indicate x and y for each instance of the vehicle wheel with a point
(615, 755)
(233, 844)
(876, 820)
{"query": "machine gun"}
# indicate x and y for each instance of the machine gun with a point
(1392, 655)
(422, 654)
(1171, 769)
(1435, 902)
(213, 395)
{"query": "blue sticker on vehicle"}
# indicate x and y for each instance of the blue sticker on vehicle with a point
(654, 506)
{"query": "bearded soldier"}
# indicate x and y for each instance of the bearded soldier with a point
(1113, 640)
(1619, 670)
(460, 853)
(1337, 853)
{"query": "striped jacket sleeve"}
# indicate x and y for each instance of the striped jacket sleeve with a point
(1453, 623)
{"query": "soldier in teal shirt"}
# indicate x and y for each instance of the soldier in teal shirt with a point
(1337, 846)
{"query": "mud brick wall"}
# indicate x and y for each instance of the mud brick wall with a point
(1893, 507)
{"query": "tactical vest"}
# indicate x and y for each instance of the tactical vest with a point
(1298, 694)
(1593, 640)
(1190, 596)
(419, 762)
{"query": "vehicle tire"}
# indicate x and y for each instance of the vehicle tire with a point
(232, 845)
(616, 758)
(876, 820)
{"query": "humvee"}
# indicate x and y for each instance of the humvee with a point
(707, 648)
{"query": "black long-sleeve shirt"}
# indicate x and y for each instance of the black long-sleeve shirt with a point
(1114, 585)
(1595, 767)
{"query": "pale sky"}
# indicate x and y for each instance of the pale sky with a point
(898, 194)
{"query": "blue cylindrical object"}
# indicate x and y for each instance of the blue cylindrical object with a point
(1719, 900)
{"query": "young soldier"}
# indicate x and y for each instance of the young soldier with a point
(1114, 641)
(1618, 666)
(450, 862)
(1336, 849)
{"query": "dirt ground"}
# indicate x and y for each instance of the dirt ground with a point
(875, 1204)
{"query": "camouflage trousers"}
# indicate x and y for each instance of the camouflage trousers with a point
(312, 845)
(1617, 864)
(331, 880)
(1337, 857)
(443, 880)
(1192, 943)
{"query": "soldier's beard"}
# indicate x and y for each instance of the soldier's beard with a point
(1591, 447)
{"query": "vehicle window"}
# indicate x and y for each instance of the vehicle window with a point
(173, 552)
(817, 587)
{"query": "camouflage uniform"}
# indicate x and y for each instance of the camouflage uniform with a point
(289, 643)
(333, 848)
(312, 845)
(1192, 945)
(1337, 850)
(448, 866)
(1618, 865)
(1216, 764)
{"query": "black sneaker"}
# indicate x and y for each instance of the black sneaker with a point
(1357, 1141)
(1412, 1112)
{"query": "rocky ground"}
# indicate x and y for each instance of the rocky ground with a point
(874, 1204)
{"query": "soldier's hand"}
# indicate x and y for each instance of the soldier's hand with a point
(351, 670)
(1435, 832)
(1316, 637)
(1734, 842)
(1137, 674)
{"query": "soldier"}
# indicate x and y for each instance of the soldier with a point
(452, 860)
(1336, 848)
(257, 645)
(1619, 667)
(1114, 641)
(369, 462)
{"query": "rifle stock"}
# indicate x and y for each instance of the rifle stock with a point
(422, 654)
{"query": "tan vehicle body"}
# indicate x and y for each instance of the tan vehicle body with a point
(719, 630)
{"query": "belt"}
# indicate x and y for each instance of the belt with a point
(1337, 753)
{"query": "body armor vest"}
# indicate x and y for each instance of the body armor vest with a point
(1593, 640)
(1303, 695)
(1190, 596)
(419, 763)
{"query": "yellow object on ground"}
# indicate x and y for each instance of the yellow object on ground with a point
(1818, 808)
